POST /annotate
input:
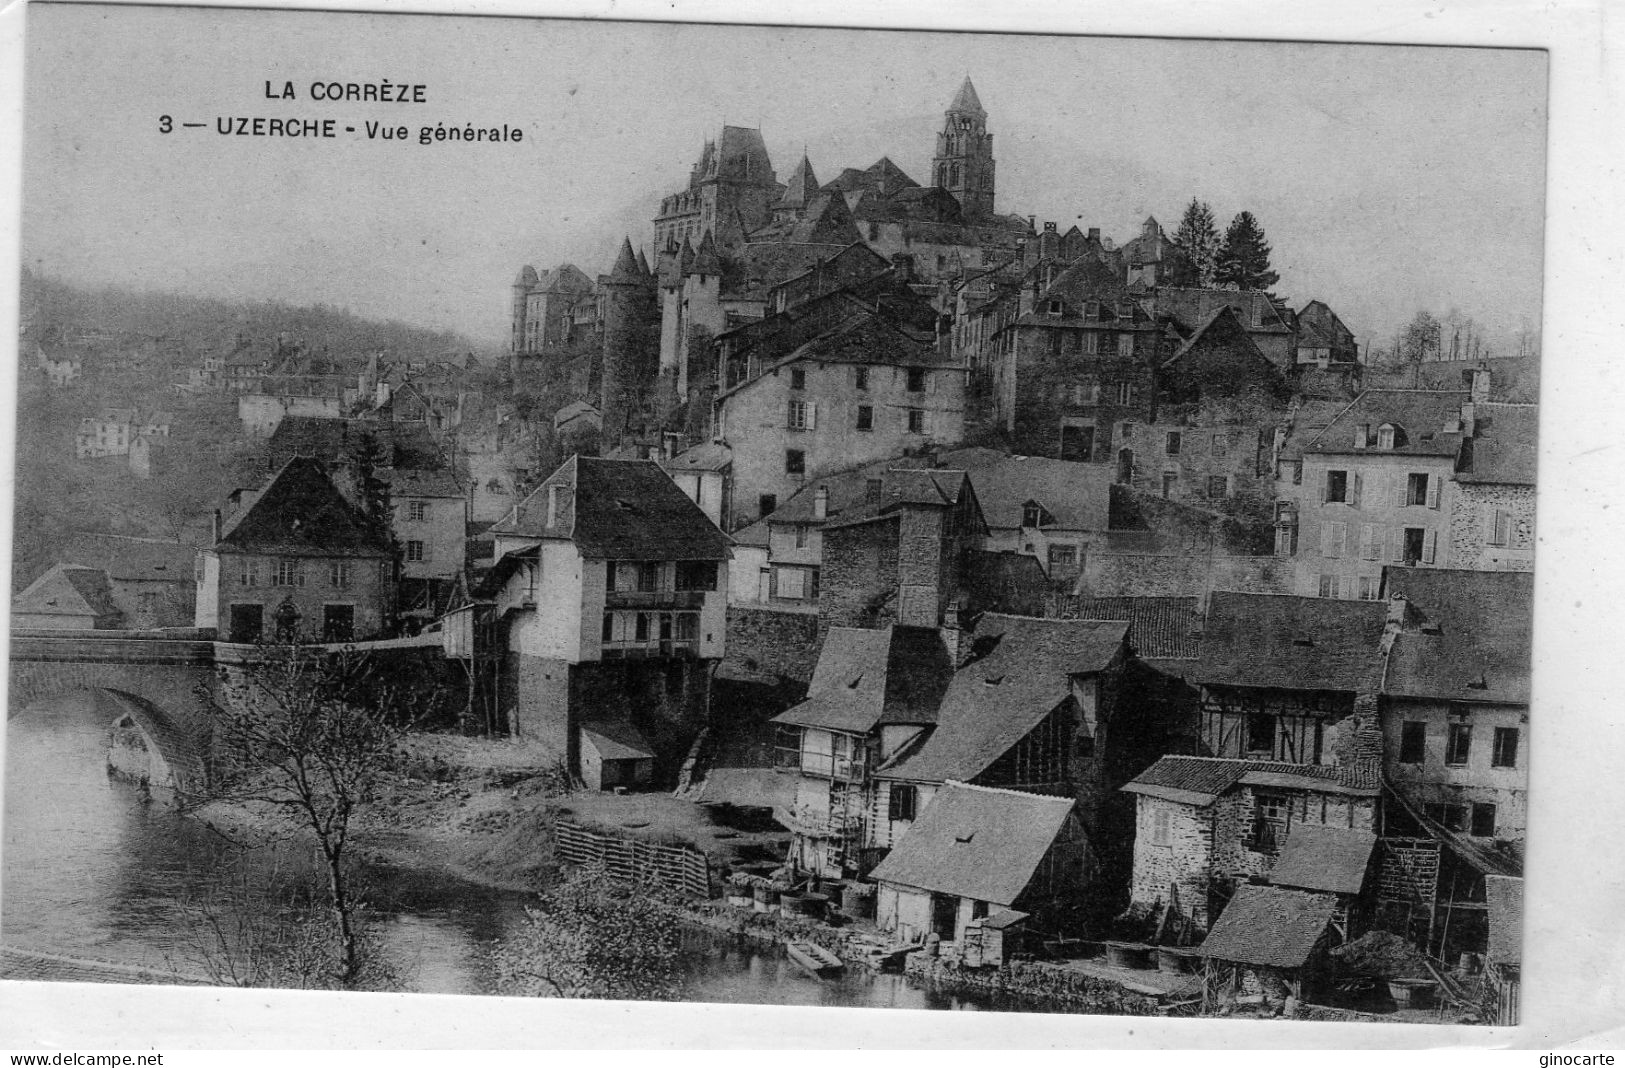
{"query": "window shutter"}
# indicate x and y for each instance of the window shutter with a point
(1366, 532)
(1325, 487)
(1325, 539)
(1354, 492)
(1402, 487)
(1434, 485)
(1430, 543)
(1347, 547)
(812, 415)
(1396, 539)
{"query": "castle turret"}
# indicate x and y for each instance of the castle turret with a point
(964, 160)
(521, 296)
(629, 356)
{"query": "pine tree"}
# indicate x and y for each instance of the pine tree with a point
(1244, 261)
(1200, 239)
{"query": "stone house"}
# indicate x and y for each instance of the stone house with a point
(1378, 488)
(298, 561)
(1455, 697)
(864, 390)
(151, 580)
(1492, 526)
(610, 589)
(705, 473)
(1272, 942)
(428, 516)
(67, 597)
(108, 433)
(978, 851)
(872, 693)
(60, 367)
(1321, 338)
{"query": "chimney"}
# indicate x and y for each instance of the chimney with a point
(219, 524)
(1479, 390)
(1094, 233)
(1469, 416)
(903, 264)
(821, 503)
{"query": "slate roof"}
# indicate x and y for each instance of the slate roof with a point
(868, 677)
(967, 100)
(1269, 927)
(976, 842)
(1191, 306)
(617, 739)
(67, 590)
(1420, 413)
(130, 559)
(1076, 495)
(1291, 643)
(1333, 859)
(1502, 449)
(1504, 893)
(709, 456)
(619, 510)
(1163, 628)
(1485, 625)
(417, 482)
(1019, 672)
(400, 444)
(931, 487)
(301, 513)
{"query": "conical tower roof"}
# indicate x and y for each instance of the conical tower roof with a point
(803, 184)
(966, 99)
(685, 257)
(643, 264)
(706, 261)
(626, 264)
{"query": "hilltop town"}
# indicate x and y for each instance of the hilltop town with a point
(1073, 614)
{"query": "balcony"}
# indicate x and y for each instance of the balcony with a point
(654, 599)
(670, 649)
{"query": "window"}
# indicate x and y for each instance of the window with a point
(1161, 818)
(1125, 344)
(860, 378)
(1500, 524)
(290, 572)
(1416, 489)
(801, 415)
(1504, 753)
(1221, 445)
(340, 573)
(247, 623)
(1169, 480)
(902, 803)
(414, 551)
(1127, 430)
(1368, 587)
(1362, 435)
(801, 535)
(648, 577)
(1459, 744)
(1218, 487)
(792, 583)
(916, 421)
(640, 629)
(916, 380)
(1385, 436)
(1483, 825)
(1260, 733)
(1033, 514)
(697, 575)
(249, 574)
(1055, 308)
(866, 417)
(795, 462)
(1172, 443)
(1450, 817)
(1269, 821)
(767, 503)
(1077, 443)
(798, 378)
(1337, 487)
(1413, 742)
(688, 626)
(1371, 537)
(1415, 545)
(417, 511)
(1333, 536)
(1063, 556)
(609, 626)
(1328, 586)
(1091, 343)
(1125, 393)
(871, 490)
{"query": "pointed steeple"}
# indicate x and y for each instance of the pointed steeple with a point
(685, 257)
(626, 265)
(966, 100)
(643, 264)
(803, 184)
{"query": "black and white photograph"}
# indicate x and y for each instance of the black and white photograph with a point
(776, 515)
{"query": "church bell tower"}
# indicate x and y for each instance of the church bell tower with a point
(964, 160)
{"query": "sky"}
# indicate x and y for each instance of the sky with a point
(1387, 178)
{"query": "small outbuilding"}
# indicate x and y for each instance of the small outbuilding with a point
(1332, 860)
(1268, 940)
(614, 753)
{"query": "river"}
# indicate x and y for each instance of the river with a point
(91, 869)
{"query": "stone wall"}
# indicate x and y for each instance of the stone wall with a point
(858, 583)
(1077, 990)
(1164, 575)
(1182, 862)
(1472, 525)
(773, 642)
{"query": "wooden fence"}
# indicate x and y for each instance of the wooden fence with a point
(683, 869)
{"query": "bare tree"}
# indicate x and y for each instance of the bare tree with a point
(311, 735)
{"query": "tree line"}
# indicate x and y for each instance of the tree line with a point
(1238, 260)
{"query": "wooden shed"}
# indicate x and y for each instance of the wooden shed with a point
(614, 753)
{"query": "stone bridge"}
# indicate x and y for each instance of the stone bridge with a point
(166, 684)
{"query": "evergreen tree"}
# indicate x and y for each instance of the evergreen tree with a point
(1244, 260)
(1200, 239)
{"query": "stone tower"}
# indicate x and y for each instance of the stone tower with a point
(630, 348)
(964, 160)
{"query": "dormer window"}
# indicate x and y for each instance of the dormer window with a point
(1362, 435)
(1033, 515)
(1055, 307)
(1387, 436)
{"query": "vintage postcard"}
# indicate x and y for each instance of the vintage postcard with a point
(775, 515)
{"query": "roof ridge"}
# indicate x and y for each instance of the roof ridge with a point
(1068, 801)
